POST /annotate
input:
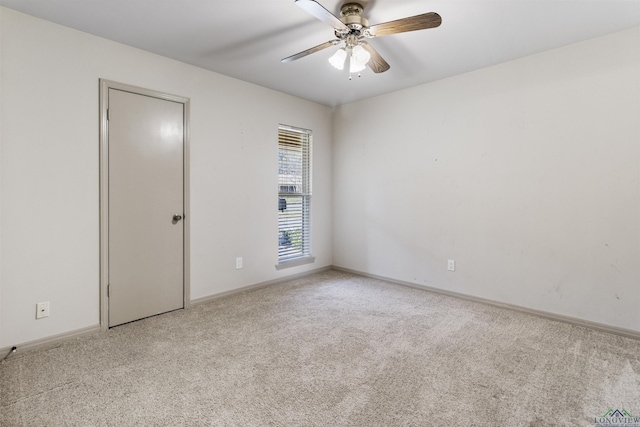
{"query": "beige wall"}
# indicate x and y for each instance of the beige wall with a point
(526, 173)
(49, 173)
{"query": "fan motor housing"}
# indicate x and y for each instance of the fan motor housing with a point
(352, 16)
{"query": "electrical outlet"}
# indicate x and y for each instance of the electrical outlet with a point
(451, 265)
(238, 263)
(42, 310)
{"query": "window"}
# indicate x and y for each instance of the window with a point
(294, 196)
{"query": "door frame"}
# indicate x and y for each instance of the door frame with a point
(105, 85)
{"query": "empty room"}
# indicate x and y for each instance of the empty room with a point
(456, 238)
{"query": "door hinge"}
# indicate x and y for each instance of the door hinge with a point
(108, 288)
(108, 114)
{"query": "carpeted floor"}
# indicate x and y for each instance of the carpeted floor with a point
(330, 349)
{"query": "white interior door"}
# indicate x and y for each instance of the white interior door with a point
(146, 206)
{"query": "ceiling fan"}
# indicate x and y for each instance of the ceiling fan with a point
(353, 29)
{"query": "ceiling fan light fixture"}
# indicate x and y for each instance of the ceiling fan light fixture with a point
(338, 59)
(360, 54)
(359, 59)
(355, 66)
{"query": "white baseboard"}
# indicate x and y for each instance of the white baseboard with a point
(627, 333)
(54, 340)
(50, 341)
(66, 336)
(248, 288)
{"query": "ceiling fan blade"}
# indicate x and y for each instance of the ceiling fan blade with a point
(319, 12)
(412, 23)
(376, 62)
(311, 50)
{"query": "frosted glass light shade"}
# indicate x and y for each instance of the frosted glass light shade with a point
(338, 59)
(361, 55)
(355, 67)
(359, 59)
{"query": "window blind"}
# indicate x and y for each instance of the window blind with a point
(294, 193)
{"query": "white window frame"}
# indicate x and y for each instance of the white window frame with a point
(294, 196)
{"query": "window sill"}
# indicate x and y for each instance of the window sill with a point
(295, 262)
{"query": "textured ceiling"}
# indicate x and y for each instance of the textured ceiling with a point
(246, 39)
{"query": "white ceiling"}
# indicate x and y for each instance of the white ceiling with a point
(246, 39)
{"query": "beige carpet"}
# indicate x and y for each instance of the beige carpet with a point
(330, 349)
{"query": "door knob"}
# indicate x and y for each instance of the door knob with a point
(177, 217)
